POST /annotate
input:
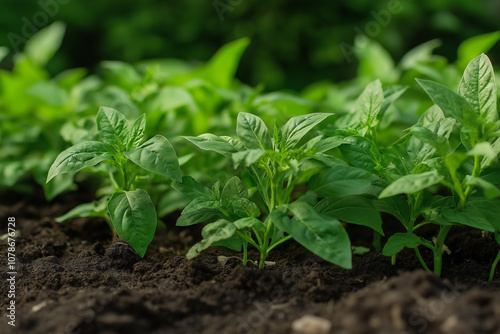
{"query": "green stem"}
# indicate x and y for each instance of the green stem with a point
(245, 253)
(493, 267)
(438, 249)
(421, 259)
(288, 237)
(377, 244)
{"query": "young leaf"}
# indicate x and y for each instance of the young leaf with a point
(471, 47)
(192, 189)
(411, 183)
(470, 216)
(369, 103)
(352, 209)
(136, 133)
(234, 188)
(490, 190)
(43, 45)
(361, 153)
(396, 206)
(195, 217)
(222, 145)
(92, 209)
(479, 88)
(213, 232)
(450, 102)
(201, 203)
(157, 156)
(113, 127)
(253, 132)
(338, 181)
(323, 236)
(248, 157)
(243, 207)
(133, 215)
(398, 241)
(297, 127)
(248, 222)
(79, 156)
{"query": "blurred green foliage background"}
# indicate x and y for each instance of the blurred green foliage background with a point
(293, 43)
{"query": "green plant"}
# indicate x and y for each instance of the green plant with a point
(275, 166)
(131, 211)
(454, 145)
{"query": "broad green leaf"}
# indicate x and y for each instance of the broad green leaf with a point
(171, 98)
(437, 142)
(473, 46)
(297, 127)
(470, 216)
(411, 183)
(49, 92)
(92, 209)
(195, 217)
(398, 241)
(234, 188)
(490, 190)
(221, 145)
(352, 209)
(136, 134)
(248, 157)
(157, 156)
(192, 189)
(253, 132)
(391, 94)
(338, 181)
(489, 209)
(221, 68)
(479, 88)
(450, 102)
(79, 156)
(396, 206)
(243, 207)
(374, 60)
(133, 215)
(320, 145)
(59, 185)
(361, 153)
(113, 127)
(43, 45)
(212, 233)
(248, 222)
(370, 102)
(126, 73)
(201, 203)
(419, 54)
(485, 150)
(324, 236)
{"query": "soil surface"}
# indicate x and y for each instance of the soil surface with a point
(71, 278)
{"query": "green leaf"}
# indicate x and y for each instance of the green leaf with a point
(92, 209)
(396, 206)
(50, 93)
(490, 190)
(369, 104)
(136, 134)
(248, 157)
(437, 142)
(221, 68)
(253, 132)
(133, 215)
(248, 222)
(324, 236)
(79, 156)
(412, 183)
(470, 216)
(234, 188)
(391, 94)
(222, 145)
(43, 45)
(113, 127)
(451, 103)
(473, 46)
(157, 156)
(170, 98)
(192, 189)
(3, 52)
(398, 241)
(201, 203)
(243, 207)
(195, 217)
(212, 233)
(338, 181)
(489, 209)
(297, 127)
(479, 88)
(352, 209)
(361, 153)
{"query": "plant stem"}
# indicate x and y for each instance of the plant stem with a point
(438, 249)
(421, 259)
(493, 267)
(245, 253)
(377, 241)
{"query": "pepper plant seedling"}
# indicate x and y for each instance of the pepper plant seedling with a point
(428, 156)
(132, 214)
(276, 165)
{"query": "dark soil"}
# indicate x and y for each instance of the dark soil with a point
(71, 279)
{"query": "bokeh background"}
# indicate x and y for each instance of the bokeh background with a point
(293, 43)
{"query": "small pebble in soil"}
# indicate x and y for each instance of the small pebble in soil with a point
(310, 324)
